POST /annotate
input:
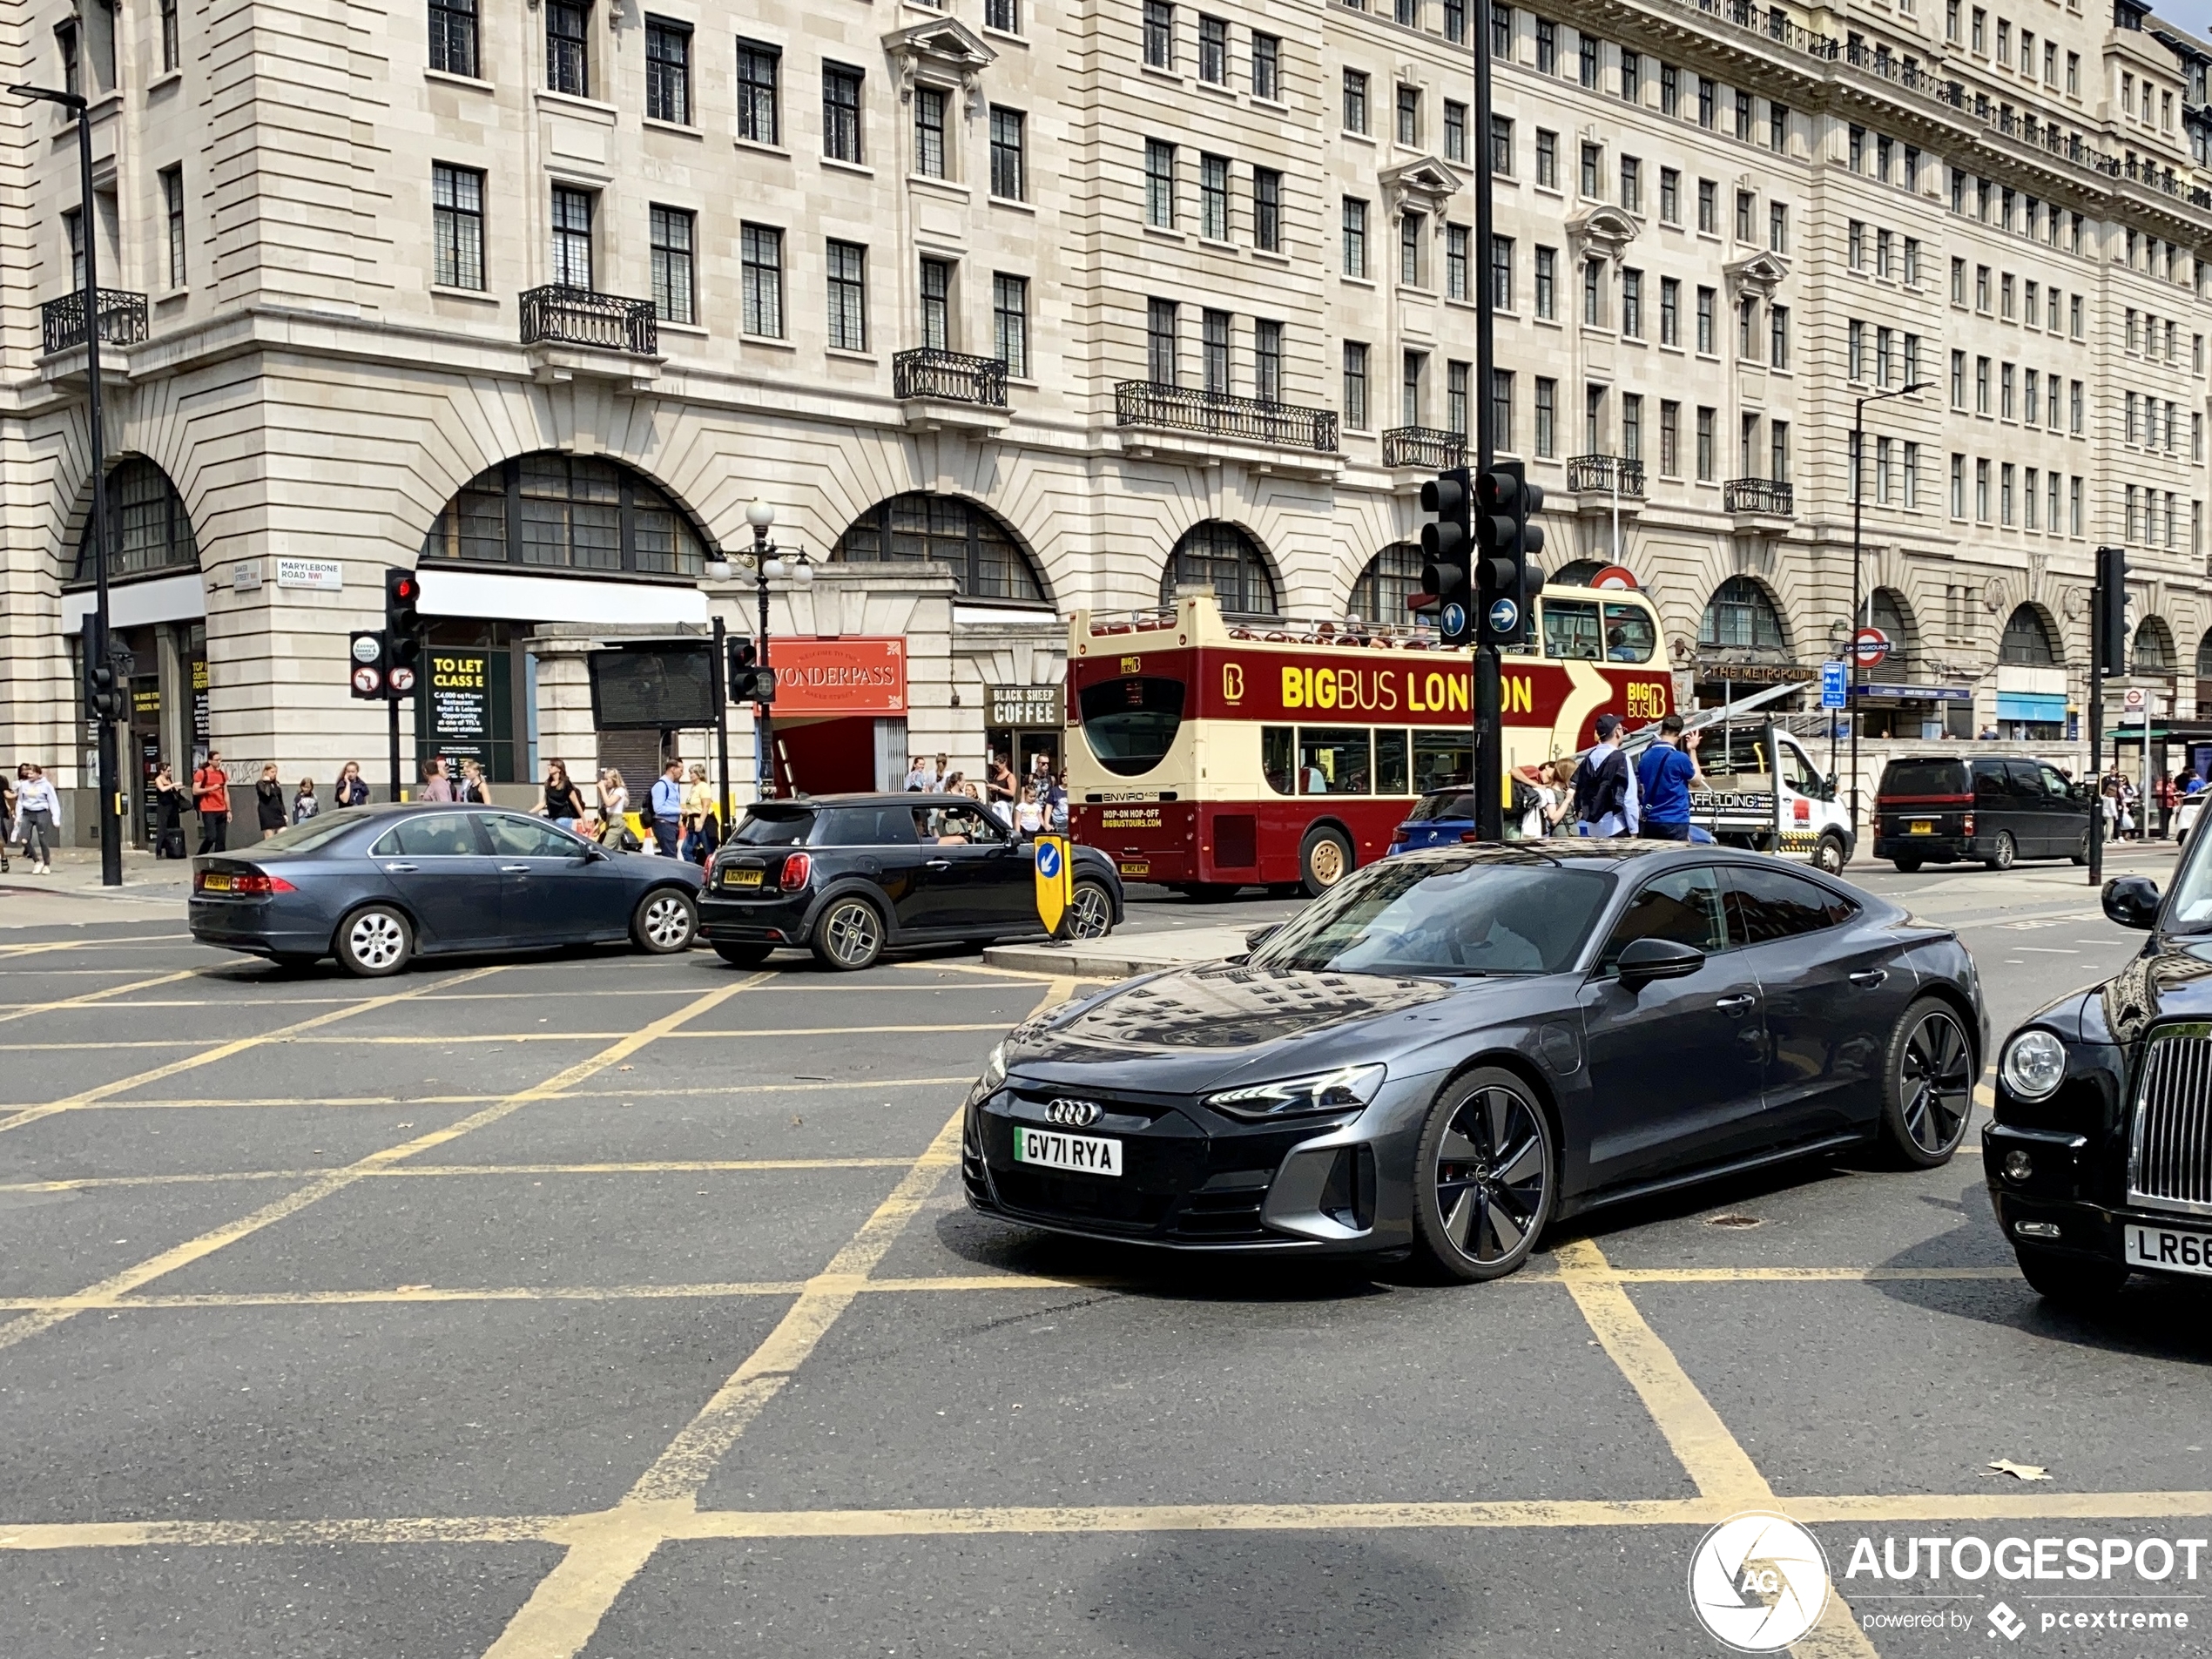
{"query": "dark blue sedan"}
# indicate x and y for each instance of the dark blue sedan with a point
(376, 887)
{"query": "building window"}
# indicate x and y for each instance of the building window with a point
(1213, 352)
(1223, 557)
(566, 513)
(1546, 418)
(1669, 196)
(1740, 614)
(171, 55)
(847, 279)
(1743, 116)
(1631, 427)
(1267, 360)
(1670, 438)
(172, 207)
(1593, 168)
(1777, 227)
(1632, 303)
(1708, 206)
(1409, 116)
(1411, 234)
(1455, 132)
(1159, 35)
(1631, 75)
(457, 226)
(758, 118)
(1213, 198)
(1587, 60)
(1457, 241)
(1631, 185)
(1009, 164)
(1547, 282)
(1705, 445)
(1005, 15)
(1981, 491)
(1355, 101)
(148, 528)
(1355, 385)
(668, 72)
(761, 261)
(571, 237)
(986, 560)
(1669, 311)
(1456, 20)
(1500, 408)
(1593, 294)
(1958, 486)
(1355, 236)
(1267, 209)
(1160, 355)
(568, 52)
(937, 305)
(1267, 66)
(1547, 159)
(1502, 146)
(929, 131)
(1391, 580)
(673, 285)
(1159, 184)
(1705, 302)
(1010, 324)
(842, 129)
(1458, 378)
(1747, 329)
(1670, 90)
(1777, 337)
(453, 36)
(1746, 205)
(1213, 51)
(1413, 389)
(1547, 46)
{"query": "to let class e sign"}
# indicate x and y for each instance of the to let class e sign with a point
(1055, 887)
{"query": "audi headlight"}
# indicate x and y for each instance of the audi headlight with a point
(2034, 1065)
(994, 1070)
(1345, 1089)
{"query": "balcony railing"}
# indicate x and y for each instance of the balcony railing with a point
(1769, 495)
(1184, 409)
(1596, 472)
(565, 316)
(954, 376)
(1427, 447)
(123, 319)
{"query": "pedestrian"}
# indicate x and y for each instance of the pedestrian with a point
(1666, 773)
(1028, 816)
(2167, 796)
(351, 789)
(36, 807)
(473, 787)
(8, 813)
(702, 823)
(1000, 790)
(1602, 784)
(211, 794)
(668, 809)
(305, 805)
(563, 801)
(614, 809)
(435, 785)
(956, 783)
(938, 775)
(1055, 800)
(168, 815)
(918, 775)
(269, 801)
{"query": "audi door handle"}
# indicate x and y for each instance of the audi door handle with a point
(1871, 977)
(1734, 1004)
(938, 864)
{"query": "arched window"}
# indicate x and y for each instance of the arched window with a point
(148, 529)
(2154, 650)
(1886, 610)
(1741, 614)
(2204, 656)
(986, 562)
(1393, 576)
(551, 511)
(2028, 642)
(1222, 557)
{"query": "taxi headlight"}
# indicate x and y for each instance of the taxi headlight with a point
(1346, 1088)
(2034, 1065)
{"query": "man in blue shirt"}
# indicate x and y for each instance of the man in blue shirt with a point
(668, 808)
(1665, 774)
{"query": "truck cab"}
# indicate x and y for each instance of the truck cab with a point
(1765, 793)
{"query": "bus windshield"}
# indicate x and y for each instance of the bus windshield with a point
(1130, 724)
(1409, 916)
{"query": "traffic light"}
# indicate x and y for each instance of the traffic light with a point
(2108, 610)
(402, 629)
(102, 685)
(744, 679)
(1506, 574)
(1447, 546)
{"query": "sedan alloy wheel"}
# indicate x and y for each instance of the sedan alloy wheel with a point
(1485, 1171)
(373, 941)
(664, 923)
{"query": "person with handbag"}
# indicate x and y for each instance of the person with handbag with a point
(614, 809)
(168, 814)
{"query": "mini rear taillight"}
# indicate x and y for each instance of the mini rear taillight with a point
(798, 867)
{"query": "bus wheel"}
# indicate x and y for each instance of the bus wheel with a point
(1324, 859)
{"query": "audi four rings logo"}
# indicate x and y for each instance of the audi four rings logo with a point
(1074, 1114)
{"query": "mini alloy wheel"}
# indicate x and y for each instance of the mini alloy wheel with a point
(849, 936)
(1930, 1087)
(1484, 1175)
(375, 941)
(664, 923)
(1091, 914)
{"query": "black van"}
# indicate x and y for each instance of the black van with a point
(1943, 809)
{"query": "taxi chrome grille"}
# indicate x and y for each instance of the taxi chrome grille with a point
(2169, 1153)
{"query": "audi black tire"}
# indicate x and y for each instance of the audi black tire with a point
(1928, 1084)
(373, 941)
(1484, 1177)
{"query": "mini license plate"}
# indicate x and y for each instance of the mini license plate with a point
(1922, 827)
(741, 877)
(215, 884)
(1049, 1150)
(1135, 866)
(2177, 1252)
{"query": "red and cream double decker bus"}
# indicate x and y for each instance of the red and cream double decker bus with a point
(1204, 753)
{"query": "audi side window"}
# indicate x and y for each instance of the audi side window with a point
(1682, 906)
(1767, 905)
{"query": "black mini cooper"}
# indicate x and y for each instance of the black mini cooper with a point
(2099, 1160)
(850, 876)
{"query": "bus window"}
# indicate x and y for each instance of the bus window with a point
(1278, 749)
(1570, 628)
(1441, 758)
(1391, 773)
(1333, 760)
(1130, 722)
(1630, 636)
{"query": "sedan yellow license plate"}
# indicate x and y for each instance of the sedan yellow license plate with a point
(215, 884)
(1922, 827)
(741, 877)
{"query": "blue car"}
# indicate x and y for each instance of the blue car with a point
(1445, 817)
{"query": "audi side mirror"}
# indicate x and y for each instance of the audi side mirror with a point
(2132, 902)
(1644, 959)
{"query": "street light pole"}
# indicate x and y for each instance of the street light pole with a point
(768, 562)
(88, 232)
(1858, 603)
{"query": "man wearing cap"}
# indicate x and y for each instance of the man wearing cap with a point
(1666, 773)
(1605, 785)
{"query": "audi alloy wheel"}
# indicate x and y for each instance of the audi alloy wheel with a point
(1928, 1093)
(1484, 1177)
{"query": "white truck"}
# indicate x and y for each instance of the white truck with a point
(1765, 792)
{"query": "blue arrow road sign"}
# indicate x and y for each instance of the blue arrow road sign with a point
(1454, 619)
(1048, 861)
(1834, 690)
(1505, 616)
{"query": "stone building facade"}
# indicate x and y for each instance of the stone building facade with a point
(1081, 305)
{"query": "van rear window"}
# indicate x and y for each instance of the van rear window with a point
(1924, 778)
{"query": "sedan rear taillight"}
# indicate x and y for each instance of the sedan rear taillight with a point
(798, 867)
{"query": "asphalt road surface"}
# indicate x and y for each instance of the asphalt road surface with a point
(623, 1306)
